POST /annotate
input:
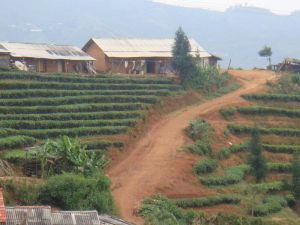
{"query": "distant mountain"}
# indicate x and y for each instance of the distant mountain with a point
(237, 33)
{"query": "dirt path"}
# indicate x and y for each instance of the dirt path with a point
(156, 164)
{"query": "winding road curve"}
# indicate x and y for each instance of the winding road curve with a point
(156, 164)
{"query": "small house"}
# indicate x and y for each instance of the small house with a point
(47, 58)
(140, 56)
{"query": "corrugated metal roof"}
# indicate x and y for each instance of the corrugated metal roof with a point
(139, 48)
(46, 51)
(42, 215)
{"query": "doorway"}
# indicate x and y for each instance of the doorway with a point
(150, 67)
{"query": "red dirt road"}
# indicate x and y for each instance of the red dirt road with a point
(156, 164)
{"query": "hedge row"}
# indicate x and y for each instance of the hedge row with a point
(207, 201)
(232, 175)
(50, 124)
(83, 86)
(259, 110)
(241, 129)
(73, 108)
(6, 132)
(280, 167)
(206, 166)
(16, 142)
(272, 97)
(81, 132)
(224, 153)
(270, 187)
(78, 79)
(7, 94)
(289, 149)
(78, 100)
(104, 145)
(270, 204)
(76, 116)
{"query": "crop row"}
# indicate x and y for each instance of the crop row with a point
(207, 201)
(241, 129)
(16, 85)
(16, 142)
(272, 97)
(26, 93)
(110, 115)
(270, 204)
(280, 167)
(73, 108)
(53, 133)
(289, 149)
(232, 175)
(50, 124)
(80, 79)
(259, 110)
(103, 144)
(270, 187)
(224, 153)
(78, 100)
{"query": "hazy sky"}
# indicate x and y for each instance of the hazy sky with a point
(276, 6)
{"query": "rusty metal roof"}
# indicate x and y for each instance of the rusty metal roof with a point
(45, 51)
(144, 48)
(2, 208)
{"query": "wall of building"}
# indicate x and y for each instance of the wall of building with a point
(53, 66)
(4, 60)
(101, 64)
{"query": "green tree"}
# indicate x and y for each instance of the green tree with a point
(182, 60)
(266, 52)
(257, 161)
(296, 177)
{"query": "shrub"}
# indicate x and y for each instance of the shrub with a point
(260, 110)
(200, 148)
(228, 113)
(20, 192)
(103, 145)
(232, 175)
(17, 156)
(207, 201)
(225, 153)
(160, 210)
(76, 192)
(200, 129)
(270, 204)
(205, 166)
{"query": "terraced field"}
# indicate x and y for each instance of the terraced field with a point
(36, 107)
(225, 170)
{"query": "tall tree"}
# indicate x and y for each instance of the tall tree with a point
(266, 52)
(257, 161)
(296, 177)
(182, 60)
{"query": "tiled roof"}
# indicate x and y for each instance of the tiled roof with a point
(2, 208)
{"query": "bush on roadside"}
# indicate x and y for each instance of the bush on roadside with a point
(76, 192)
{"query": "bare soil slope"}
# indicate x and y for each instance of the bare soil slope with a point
(156, 163)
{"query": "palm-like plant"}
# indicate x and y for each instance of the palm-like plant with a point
(68, 155)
